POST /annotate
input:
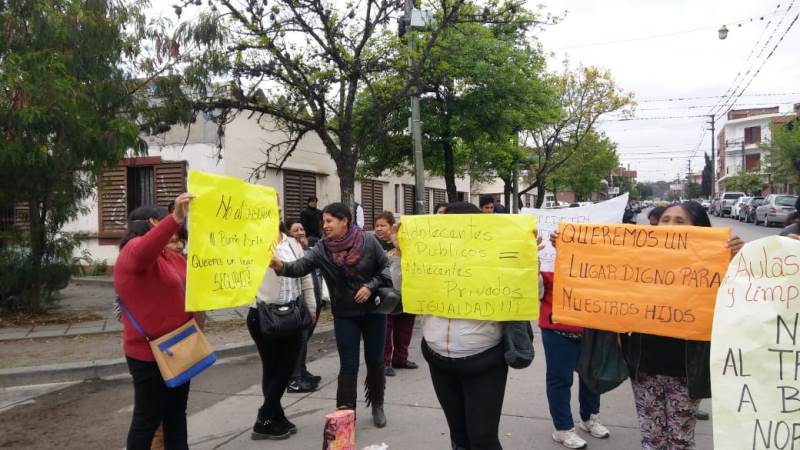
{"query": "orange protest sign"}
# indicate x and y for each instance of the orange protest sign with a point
(658, 280)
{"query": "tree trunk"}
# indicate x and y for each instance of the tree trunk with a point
(346, 170)
(37, 241)
(450, 172)
(540, 192)
(507, 193)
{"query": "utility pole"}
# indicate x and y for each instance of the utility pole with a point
(744, 160)
(713, 158)
(414, 123)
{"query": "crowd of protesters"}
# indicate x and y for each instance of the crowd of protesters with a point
(327, 255)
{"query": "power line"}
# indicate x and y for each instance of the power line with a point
(654, 118)
(722, 106)
(708, 97)
(772, 52)
(766, 103)
(658, 36)
(733, 84)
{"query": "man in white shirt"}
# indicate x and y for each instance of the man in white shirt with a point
(358, 214)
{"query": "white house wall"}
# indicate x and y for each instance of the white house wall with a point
(244, 148)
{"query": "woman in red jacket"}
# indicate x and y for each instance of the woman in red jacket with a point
(150, 280)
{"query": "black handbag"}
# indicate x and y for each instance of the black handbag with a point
(602, 365)
(518, 344)
(279, 320)
(388, 301)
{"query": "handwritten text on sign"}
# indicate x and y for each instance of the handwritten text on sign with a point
(658, 280)
(547, 220)
(755, 349)
(233, 226)
(481, 266)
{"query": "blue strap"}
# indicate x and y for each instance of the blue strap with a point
(131, 319)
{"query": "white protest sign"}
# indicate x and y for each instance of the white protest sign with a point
(609, 211)
(755, 348)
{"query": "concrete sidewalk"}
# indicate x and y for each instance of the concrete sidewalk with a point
(416, 421)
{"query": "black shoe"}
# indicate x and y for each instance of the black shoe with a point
(701, 415)
(378, 416)
(308, 376)
(406, 365)
(389, 371)
(270, 429)
(289, 425)
(300, 385)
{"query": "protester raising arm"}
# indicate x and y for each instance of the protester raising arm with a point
(143, 252)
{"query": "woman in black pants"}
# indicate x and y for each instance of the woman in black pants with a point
(278, 354)
(354, 266)
(468, 370)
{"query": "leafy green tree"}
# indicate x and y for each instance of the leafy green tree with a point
(70, 106)
(481, 84)
(694, 190)
(584, 174)
(707, 179)
(583, 96)
(751, 182)
(784, 152)
(645, 190)
(300, 65)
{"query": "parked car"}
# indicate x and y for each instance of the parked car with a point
(748, 211)
(714, 208)
(726, 202)
(706, 204)
(736, 209)
(775, 209)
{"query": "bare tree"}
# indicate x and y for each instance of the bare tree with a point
(584, 95)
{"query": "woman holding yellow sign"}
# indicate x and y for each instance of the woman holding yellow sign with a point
(150, 282)
(354, 266)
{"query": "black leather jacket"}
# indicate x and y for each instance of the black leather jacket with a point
(372, 271)
(698, 363)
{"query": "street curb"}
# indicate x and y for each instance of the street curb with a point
(88, 370)
(93, 281)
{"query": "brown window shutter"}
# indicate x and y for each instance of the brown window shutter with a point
(112, 202)
(371, 201)
(170, 181)
(427, 201)
(439, 196)
(297, 187)
(408, 198)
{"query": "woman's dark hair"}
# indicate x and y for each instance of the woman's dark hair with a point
(340, 211)
(139, 221)
(483, 200)
(696, 213)
(385, 215)
(439, 205)
(656, 212)
(462, 208)
(282, 228)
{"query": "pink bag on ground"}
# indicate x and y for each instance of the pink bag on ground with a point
(340, 430)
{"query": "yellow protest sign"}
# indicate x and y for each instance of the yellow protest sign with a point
(470, 266)
(658, 280)
(755, 362)
(233, 227)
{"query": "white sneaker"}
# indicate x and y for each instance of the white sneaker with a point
(594, 427)
(569, 439)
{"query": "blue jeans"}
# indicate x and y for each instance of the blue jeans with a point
(349, 331)
(561, 355)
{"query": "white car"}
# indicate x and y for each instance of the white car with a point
(737, 207)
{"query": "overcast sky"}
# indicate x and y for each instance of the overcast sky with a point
(682, 65)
